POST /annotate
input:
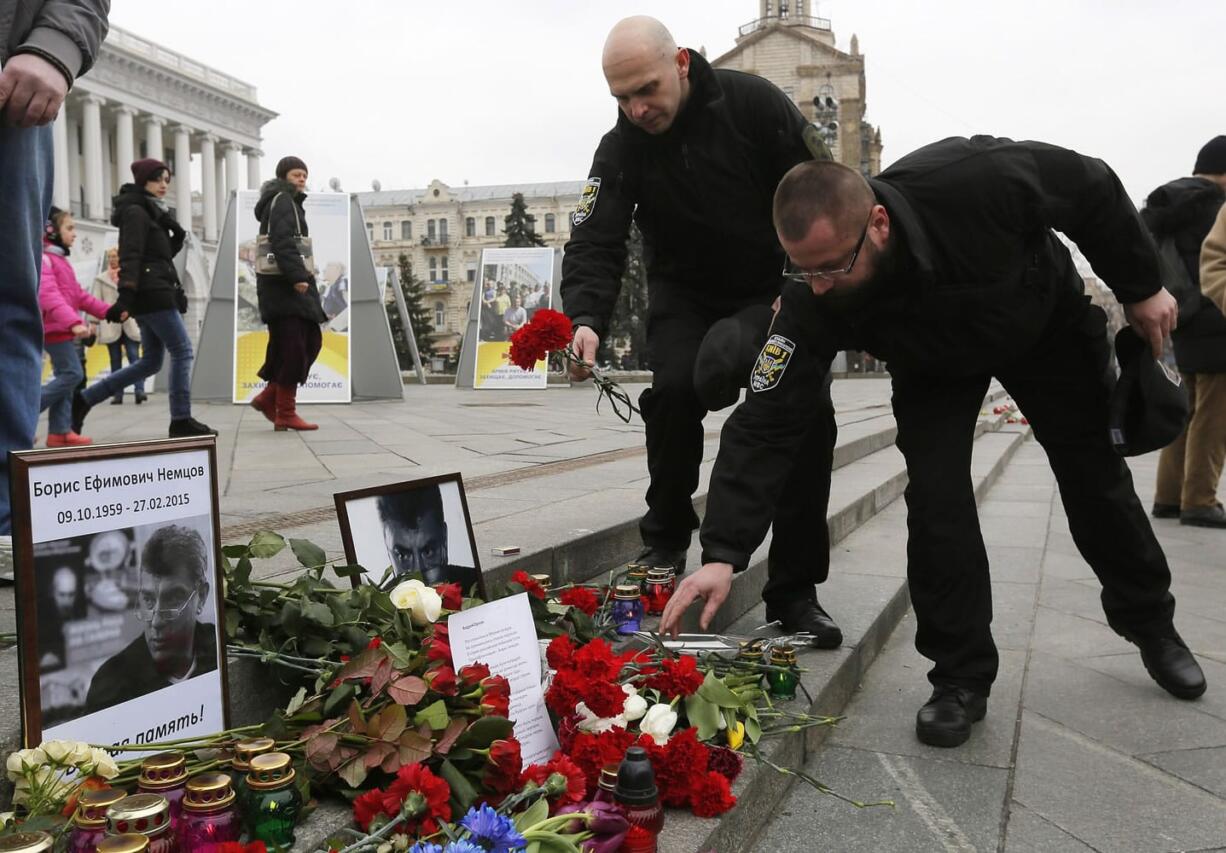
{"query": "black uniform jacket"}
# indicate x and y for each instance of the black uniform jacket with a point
(149, 238)
(700, 193)
(980, 279)
(280, 202)
(131, 673)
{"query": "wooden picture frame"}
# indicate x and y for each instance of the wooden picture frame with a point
(366, 532)
(118, 567)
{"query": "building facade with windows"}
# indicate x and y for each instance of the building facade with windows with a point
(443, 229)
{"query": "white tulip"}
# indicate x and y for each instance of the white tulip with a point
(658, 722)
(589, 722)
(635, 707)
(424, 604)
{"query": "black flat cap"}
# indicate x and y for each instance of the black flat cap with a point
(727, 355)
(1149, 406)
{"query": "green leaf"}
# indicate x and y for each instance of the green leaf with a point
(753, 730)
(462, 791)
(354, 773)
(309, 554)
(235, 551)
(485, 731)
(298, 700)
(317, 612)
(433, 715)
(534, 814)
(717, 693)
(348, 571)
(242, 572)
(266, 544)
(338, 697)
(702, 714)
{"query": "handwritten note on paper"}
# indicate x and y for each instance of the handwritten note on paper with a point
(502, 635)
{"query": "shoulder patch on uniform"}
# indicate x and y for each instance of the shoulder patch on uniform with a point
(587, 202)
(772, 361)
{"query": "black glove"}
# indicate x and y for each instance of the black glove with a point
(123, 305)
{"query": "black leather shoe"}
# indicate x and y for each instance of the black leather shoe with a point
(189, 427)
(652, 558)
(141, 397)
(1165, 510)
(1204, 516)
(946, 719)
(1168, 662)
(117, 401)
(807, 617)
(80, 409)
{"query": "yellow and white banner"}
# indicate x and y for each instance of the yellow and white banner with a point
(514, 285)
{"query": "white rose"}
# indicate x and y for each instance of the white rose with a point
(423, 603)
(23, 760)
(104, 765)
(634, 707)
(658, 722)
(58, 751)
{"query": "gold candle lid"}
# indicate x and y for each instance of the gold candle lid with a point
(661, 570)
(625, 591)
(26, 842)
(245, 750)
(128, 842)
(92, 806)
(637, 570)
(163, 771)
(543, 579)
(208, 792)
(608, 777)
(783, 653)
(148, 814)
(270, 770)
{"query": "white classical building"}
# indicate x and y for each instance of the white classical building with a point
(142, 100)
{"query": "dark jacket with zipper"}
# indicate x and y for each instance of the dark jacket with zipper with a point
(700, 193)
(1184, 211)
(980, 280)
(68, 31)
(282, 218)
(149, 238)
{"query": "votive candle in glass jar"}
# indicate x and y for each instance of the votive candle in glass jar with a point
(89, 820)
(783, 680)
(129, 842)
(240, 764)
(273, 801)
(546, 581)
(148, 815)
(627, 609)
(636, 573)
(209, 813)
(658, 589)
(164, 774)
(26, 842)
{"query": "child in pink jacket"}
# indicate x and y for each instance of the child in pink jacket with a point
(62, 300)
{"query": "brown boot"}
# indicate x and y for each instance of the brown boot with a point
(265, 402)
(287, 416)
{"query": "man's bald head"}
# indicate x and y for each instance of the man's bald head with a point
(647, 73)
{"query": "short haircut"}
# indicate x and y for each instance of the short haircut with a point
(173, 547)
(410, 507)
(820, 189)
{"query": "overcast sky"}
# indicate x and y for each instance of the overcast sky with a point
(406, 91)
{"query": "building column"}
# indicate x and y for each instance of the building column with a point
(234, 153)
(154, 147)
(125, 147)
(253, 168)
(61, 197)
(73, 125)
(219, 194)
(183, 176)
(92, 130)
(208, 184)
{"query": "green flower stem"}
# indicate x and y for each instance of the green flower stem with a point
(370, 841)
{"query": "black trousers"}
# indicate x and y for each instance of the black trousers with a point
(672, 413)
(293, 345)
(1062, 387)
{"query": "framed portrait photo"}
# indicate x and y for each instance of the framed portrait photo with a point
(119, 592)
(416, 528)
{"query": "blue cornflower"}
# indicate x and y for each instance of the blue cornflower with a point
(425, 847)
(464, 846)
(492, 831)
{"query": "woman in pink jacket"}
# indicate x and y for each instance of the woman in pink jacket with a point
(62, 300)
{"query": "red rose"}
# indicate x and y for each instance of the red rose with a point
(438, 644)
(711, 795)
(548, 330)
(502, 773)
(442, 680)
(435, 791)
(452, 595)
(677, 677)
(530, 586)
(580, 597)
(495, 696)
(473, 674)
(367, 807)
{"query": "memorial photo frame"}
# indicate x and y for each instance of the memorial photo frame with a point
(119, 589)
(415, 528)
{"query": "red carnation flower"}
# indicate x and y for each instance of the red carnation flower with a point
(592, 752)
(367, 807)
(452, 595)
(559, 651)
(548, 330)
(473, 674)
(437, 794)
(374, 643)
(677, 677)
(580, 597)
(502, 773)
(711, 795)
(576, 780)
(495, 696)
(530, 585)
(727, 762)
(442, 680)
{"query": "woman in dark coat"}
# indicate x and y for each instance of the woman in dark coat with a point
(149, 290)
(289, 302)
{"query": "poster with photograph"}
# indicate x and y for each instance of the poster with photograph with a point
(512, 285)
(118, 590)
(327, 220)
(419, 527)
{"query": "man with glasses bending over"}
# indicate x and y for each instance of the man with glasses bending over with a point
(174, 646)
(947, 267)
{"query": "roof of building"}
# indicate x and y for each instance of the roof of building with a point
(400, 198)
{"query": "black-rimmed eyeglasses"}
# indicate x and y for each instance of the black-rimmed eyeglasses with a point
(791, 273)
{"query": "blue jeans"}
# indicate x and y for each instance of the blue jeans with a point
(160, 332)
(57, 394)
(117, 349)
(26, 166)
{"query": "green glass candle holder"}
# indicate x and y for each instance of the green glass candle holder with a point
(783, 680)
(273, 801)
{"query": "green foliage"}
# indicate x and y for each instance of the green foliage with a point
(520, 226)
(420, 316)
(629, 318)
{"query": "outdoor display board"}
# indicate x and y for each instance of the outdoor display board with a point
(512, 285)
(119, 591)
(327, 218)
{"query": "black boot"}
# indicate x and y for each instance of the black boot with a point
(1168, 662)
(946, 718)
(141, 397)
(185, 427)
(80, 408)
(807, 617)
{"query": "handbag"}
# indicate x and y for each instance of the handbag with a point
(266, 258)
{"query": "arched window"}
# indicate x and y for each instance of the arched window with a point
(430, 229)
(442, 230)
(387, 230)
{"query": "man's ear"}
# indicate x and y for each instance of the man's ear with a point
(202, 597)
(683, 63)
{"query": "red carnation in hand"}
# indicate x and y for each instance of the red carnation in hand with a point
(496, 696)
(548, 330)
(580, 597)
(473, 674)
(442, 680)
(530, 585)
(452, 595)
(677, 677)
(711, 795)
(435, 791)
